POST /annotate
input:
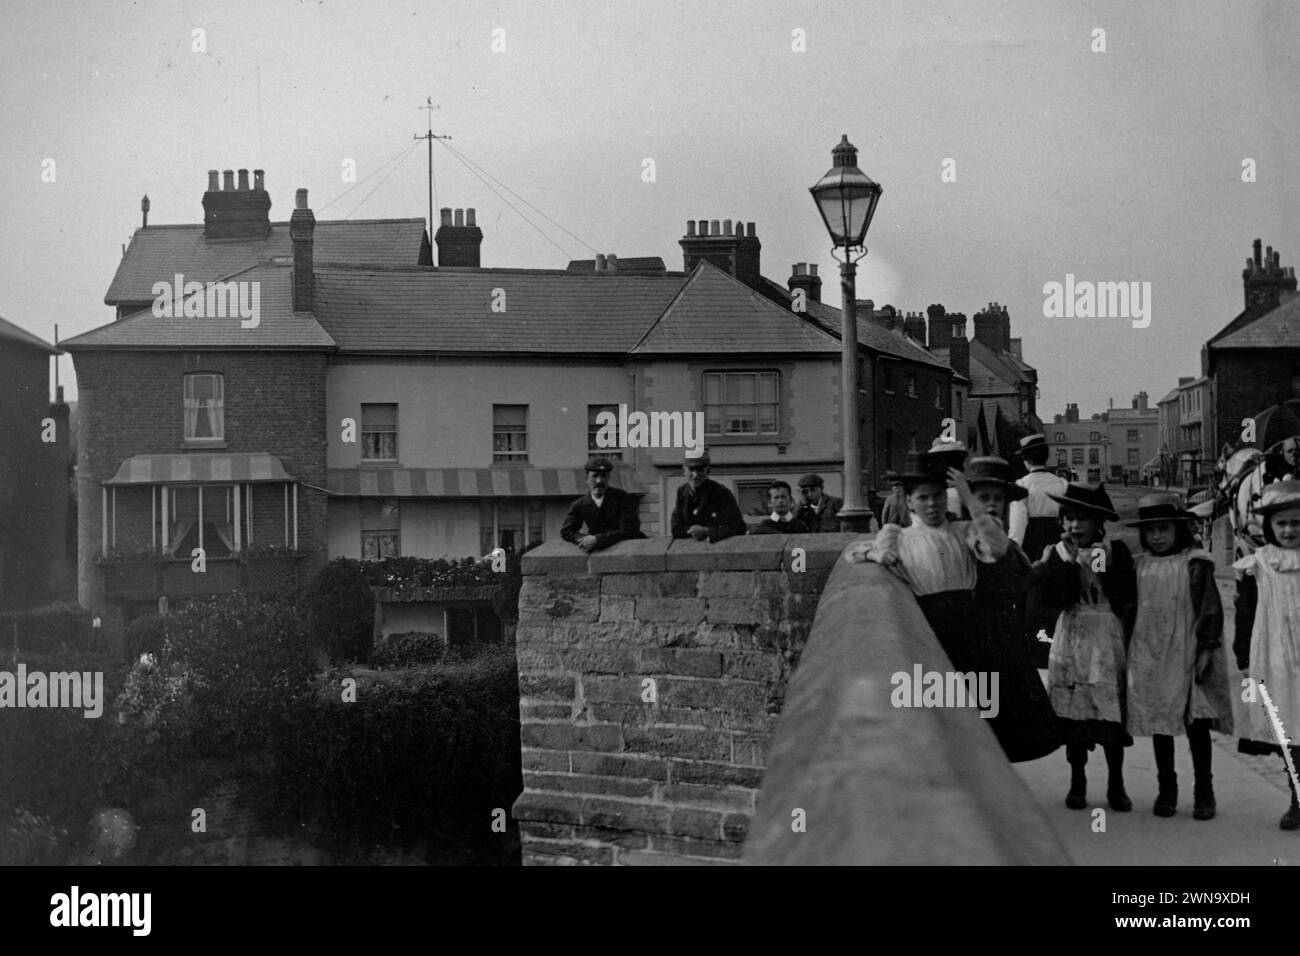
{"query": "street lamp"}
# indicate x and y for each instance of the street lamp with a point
(846, 198)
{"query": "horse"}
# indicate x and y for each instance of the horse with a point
(1242, 479)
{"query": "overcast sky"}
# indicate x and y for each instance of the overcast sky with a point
(1123, 165)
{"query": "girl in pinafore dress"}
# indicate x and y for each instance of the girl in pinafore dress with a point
(1092, 582)
(938, 559)
(1267, 642)
(1177, 669)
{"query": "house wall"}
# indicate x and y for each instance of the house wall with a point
(131, 403)
(1247, 381)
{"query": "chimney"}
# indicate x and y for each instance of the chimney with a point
(600, 262)
(958, 344)
(734, 251)
(1072, 413)
(1016, 350)
(991, 328)
(459, 241)
(805, 277)
(231, 213)
(302, 226)
(914, 326)
(1142, 402)
(940, 327)
(1265, 280)
(144, 211)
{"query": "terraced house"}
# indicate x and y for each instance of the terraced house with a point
(382, 405)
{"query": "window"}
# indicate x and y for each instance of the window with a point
(752, 497)
(205, 407)
(1133, 456)
(887, 378)
(510, 433)
(1094, 456)
(1133, 435)
(510, 523)
(911, 386)
(938, 396)
(200, 516)
(380, 529)
(1060, 456)
(1094, 436)
(1076, 456)
(1060, 437)
(471, 625)
(613, 454)
(742, 403)
(378, 432)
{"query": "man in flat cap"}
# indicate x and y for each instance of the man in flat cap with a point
(819, 509)
(608, 514)
(705, 509)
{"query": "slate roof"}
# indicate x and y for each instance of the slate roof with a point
(1279, 328)
(1171, 397)
(990, 369)
(278, 326)
(715, 312)
(1243, 318)
(158, 252)
(633, 264)
(12, 333)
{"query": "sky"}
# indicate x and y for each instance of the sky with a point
(1115, 165)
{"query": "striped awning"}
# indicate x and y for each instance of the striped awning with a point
(471, 482)
(199, 469)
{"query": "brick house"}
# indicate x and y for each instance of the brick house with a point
(35, 468)
(1253, 362)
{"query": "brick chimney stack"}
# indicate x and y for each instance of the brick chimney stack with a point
(302, 228)
(940, 327)
(914, 326)
(804, 276)
(1072, 413)
(958, 345)
(459, 239)
(144, 211)
(993, 327)
(236, 212)
(737, 251)
(1265, 280)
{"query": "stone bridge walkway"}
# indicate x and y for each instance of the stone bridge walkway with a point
(1251, 791)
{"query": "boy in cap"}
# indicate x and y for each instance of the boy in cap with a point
(705, 510)
(819, 509)
(782, 519)
(609, 514)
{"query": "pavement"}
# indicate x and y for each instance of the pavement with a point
(1251, 791)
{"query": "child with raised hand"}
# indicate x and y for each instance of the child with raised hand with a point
(1092, 583)
(1267, 641)
(1177, 671)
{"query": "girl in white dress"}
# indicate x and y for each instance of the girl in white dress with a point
(1267, 642)
(1177, 670)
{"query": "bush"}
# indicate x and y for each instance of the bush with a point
(230, 669)
(144, 635)
(421, 759)
(65, 624)
(408, 650)
(340, 611)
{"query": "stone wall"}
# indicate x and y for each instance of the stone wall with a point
(651, 676)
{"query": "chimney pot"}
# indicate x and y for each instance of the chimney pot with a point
(798, 269)
(749, 231)
(690, 227)
(1257, 246)
(300, 199)
(227, 180)
(600, 262)
(259, 179)
(726, 227)
(243, 180)
(812, 267)
(213, 181)
(469, 218)
(611, 262)
(445, 213)
(704, 227)
(714, 228)
(459, 215)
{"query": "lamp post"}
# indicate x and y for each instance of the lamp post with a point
(846, 198)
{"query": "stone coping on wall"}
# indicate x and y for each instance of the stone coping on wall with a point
(756, 552)
(871, 783)
(437, 595)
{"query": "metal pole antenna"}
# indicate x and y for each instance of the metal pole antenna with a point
(430, 137)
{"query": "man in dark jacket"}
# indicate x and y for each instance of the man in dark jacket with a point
(609, 514)
(819, 509)
(782, 519)
(705, 509)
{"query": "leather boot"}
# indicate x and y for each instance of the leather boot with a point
(1167, 798)
(1077, 798)
(1205, 806)
(1115, 795)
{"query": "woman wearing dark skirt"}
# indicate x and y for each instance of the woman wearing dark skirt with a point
(1093, 583)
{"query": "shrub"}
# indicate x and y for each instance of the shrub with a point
(65, 624)
(408, 650)
(144, 635)
(340, 611)
(421, 759)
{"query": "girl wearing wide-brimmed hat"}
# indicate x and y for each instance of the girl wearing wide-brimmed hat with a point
(1092, 583)
(1026, 725)
(1177, 670)
(1267, 639)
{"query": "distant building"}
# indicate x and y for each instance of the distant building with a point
(1108, 446)
(1253, 362)
(35, 474)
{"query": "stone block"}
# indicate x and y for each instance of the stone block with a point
(587, 784)
(760, 552)
(620, 766)
(612, 690)
(554, 599)
(678, 742)
(560, 851)
(599, 660)
(664, 584)
(680, 661)
(547, 807)
(722, 849)
(755, 610)
(626, 557)
(615, 814)
(624, 839)
(751, 665)
(706, 796)
(547, 831)
(677, 610)
(735, 827)
(547, 687)
(697, 823)
(713, 634)
(652, 858)
(556, 556)
(565, 736)
(750, 750)
(637, 715)
(529, 710)
(728, 583)
(714, 774)
(820, 550)
(616, 608)
(546, 760)
(723, 695)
